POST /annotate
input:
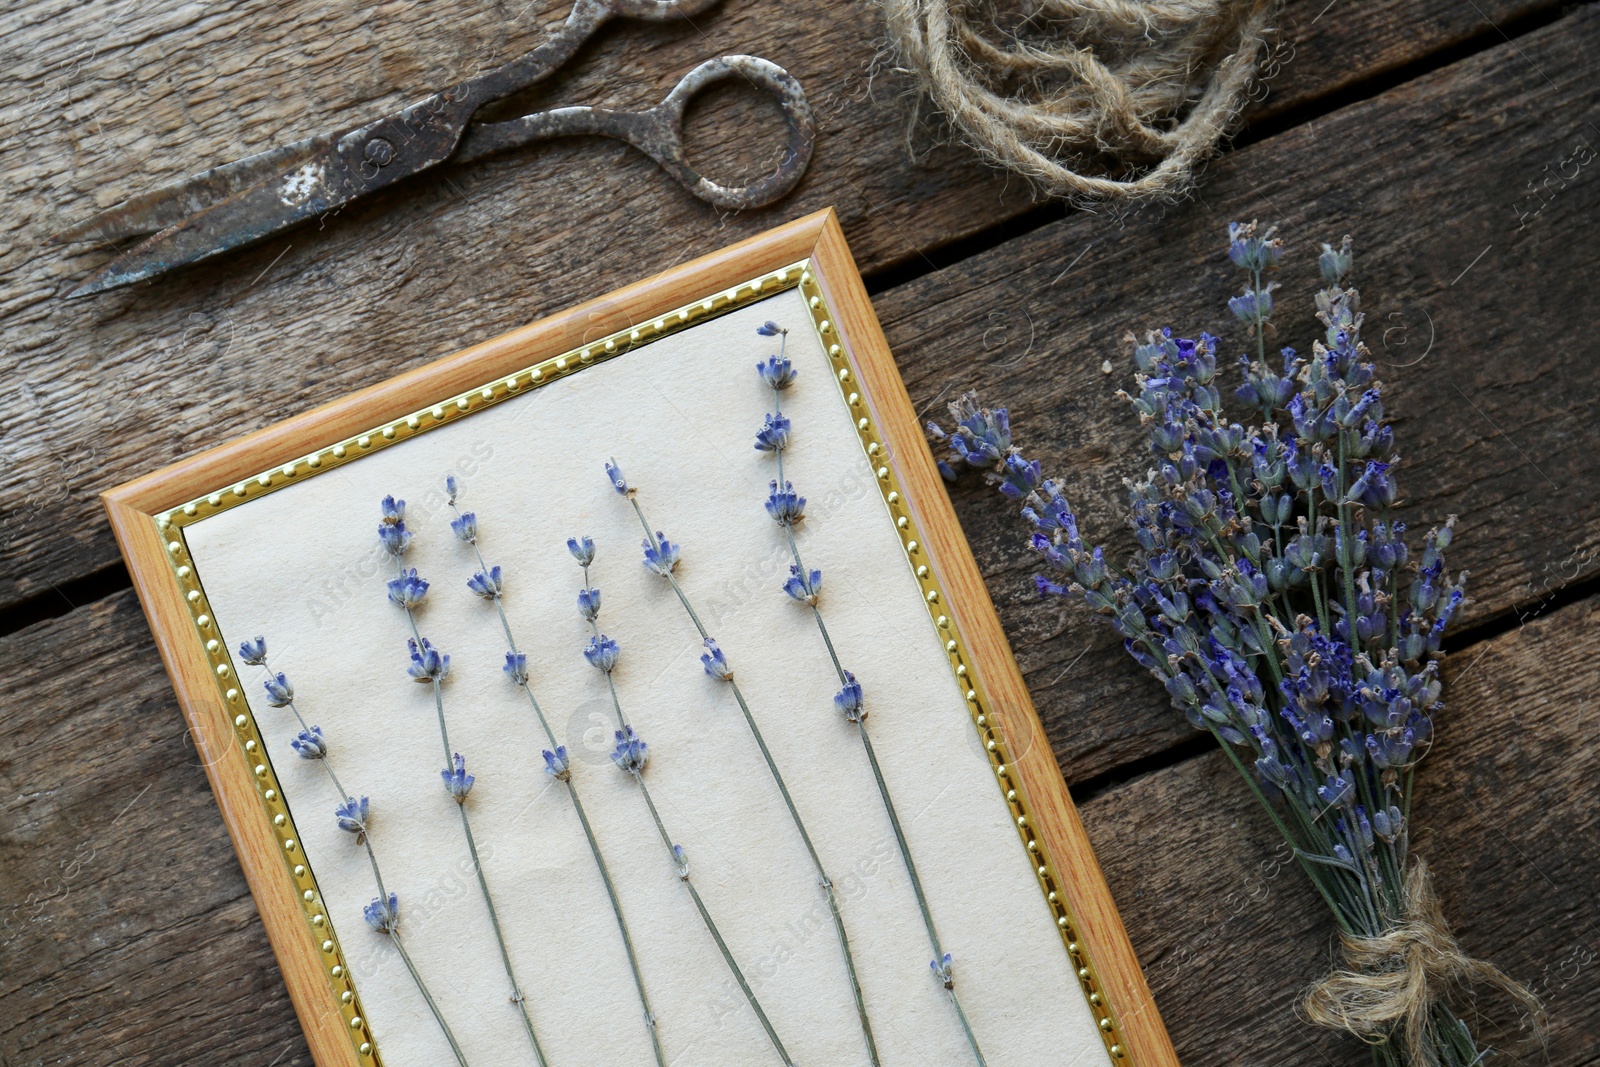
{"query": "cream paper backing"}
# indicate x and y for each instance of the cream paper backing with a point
(302, 566)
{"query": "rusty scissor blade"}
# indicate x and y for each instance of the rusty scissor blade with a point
(294, 188)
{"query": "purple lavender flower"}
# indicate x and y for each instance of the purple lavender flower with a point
(309, 743)
(943, 971)
(489, 586)
(395, 538)
(981, 438)
(394, 511)
(556, 764)
(1251, 250)
(715, 662)
(777, 372)
(1252, 304)
(589, 603)
(785, 506)
(774, 435)
(254, 651)
(280, 694)
(804, 586)
(847, 701)
(662, 556)
(680, 856)
(582, 549)
(631, 754)
(457, 782)
(465, 526)
(428, 664)
(601, 652)
(770, 329)
(408, 590)
(383, 915)
(451, 487)
(516, 667)
(618, 482)
(352, 817)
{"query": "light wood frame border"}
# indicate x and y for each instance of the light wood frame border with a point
(1119, 995)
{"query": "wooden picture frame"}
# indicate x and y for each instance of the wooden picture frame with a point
(148, 516)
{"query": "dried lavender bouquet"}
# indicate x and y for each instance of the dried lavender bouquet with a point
(1274, 595)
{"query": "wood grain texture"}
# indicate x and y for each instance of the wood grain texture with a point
(103, 100)
(1494, 423)
(1231, 932)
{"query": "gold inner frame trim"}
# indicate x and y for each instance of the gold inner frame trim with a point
(248, 735)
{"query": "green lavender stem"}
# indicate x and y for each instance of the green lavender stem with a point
(794, 813)
(423, 987)
(383, 894)
(588, 832)
(683, 875)
(472, 846)
(877, 775)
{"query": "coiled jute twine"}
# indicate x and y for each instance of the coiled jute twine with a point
(1092, 100)
(1389, 984)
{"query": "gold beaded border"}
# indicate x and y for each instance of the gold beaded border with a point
(247, 732)
(451, 409)
(822, 322)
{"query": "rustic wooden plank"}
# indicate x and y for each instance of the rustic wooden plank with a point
(100, 101)
(1231, 933)
(1496, 421)
(127, 934)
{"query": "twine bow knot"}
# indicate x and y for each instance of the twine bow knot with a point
(1392, 981)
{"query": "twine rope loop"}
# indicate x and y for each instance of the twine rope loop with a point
(1391, 982)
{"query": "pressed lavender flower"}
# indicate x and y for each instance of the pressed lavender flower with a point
(465, 526)
(848, 699)
(516, 668)
(457, 782)
(395, 537)
(309, 743)
(785, 506)
(451, 487)
(631, 753)
(280, 694)
(943, 972)
(601, 652)
(770, 329)
(589, 603)
(383, 915)
(716, 662)
(804, 586)
(254, 651)
(774, 435)
(489, 586)
(428, 664)
(1283, 612)
(777, 372)
(352, 817)
(661, 556)
(582, 549)
(618, 482)
(407, 590)
(394, 511)
(556, 764)
(681, 858)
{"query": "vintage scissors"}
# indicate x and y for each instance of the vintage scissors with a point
(243, 202)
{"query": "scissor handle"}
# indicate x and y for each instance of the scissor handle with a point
(658, 132)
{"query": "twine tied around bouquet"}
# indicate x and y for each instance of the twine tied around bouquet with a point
(1394, 980)
(1139, 91)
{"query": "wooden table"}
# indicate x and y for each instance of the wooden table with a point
(1421, 126)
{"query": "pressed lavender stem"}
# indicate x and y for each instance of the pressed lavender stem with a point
(427, 996)
(877, 774)
(588, 832)
(716, 935)
(794, 813)
(666, 840)
(483, 883)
